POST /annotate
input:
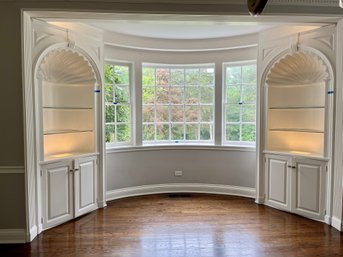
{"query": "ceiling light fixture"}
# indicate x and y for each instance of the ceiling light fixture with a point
(341, 3)
(255, 7)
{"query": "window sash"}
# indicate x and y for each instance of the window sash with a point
(184, 104)
(239, 102)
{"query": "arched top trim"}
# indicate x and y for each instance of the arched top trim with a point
(68, 66)
(302, 67)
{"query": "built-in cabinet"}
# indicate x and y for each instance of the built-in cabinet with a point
(297, 95)
(296, 184)
(69, 189)
(66, 108)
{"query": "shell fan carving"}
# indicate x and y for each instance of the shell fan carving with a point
(67, 67)
(298, 68)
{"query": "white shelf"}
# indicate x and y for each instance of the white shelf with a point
(58, 132)
(295, 107)
(297, 130)
(67, 108)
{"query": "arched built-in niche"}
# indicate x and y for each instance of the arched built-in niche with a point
(67, 138)
(297, 87)
(66, 83)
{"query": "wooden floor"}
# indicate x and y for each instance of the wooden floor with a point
(195, 226)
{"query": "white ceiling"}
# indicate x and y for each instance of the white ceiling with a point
(180, 29)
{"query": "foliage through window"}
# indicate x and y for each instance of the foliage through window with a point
(117, 104)
(178, 104)
(240, 103)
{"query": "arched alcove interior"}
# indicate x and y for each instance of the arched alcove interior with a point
(66, 80)
(296, 104)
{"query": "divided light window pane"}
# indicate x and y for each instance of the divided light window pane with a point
(117, 104)
(240, 104)
(178, 104)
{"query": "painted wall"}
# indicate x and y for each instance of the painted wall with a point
(12, 198)
(211, 166)
(11, 128)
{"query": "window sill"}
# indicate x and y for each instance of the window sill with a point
(157, 147)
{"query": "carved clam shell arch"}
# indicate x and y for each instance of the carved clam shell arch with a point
(301, 67)
(66, 66)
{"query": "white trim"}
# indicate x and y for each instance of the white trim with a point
(12, 169)
(259, 200)
(12, 236)
(180, 147)
(179, 188)
(336, 223)
(327, 219)
(32, 233)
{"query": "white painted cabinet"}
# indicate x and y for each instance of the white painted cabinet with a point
(85, 185)
(57, 193)
(308, 187)
(278, 182)
(69, 189)
(296, 184)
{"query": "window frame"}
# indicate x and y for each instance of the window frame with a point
(130, 123)
(225, 103)
(184, 105)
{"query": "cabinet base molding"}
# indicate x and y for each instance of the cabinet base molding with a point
(180, 188)
(259, 200)
(32, 233)
(327, 219)
(102, 204)
(12, 236)
(336, 223)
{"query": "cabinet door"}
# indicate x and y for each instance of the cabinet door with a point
(57, 193)
(85, 185)
(308, 187)
(277, 181)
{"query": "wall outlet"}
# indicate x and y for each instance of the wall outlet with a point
(178, 173)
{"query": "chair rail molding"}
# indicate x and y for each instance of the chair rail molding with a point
(12, 169)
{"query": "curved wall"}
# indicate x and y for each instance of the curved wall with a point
(150, 169)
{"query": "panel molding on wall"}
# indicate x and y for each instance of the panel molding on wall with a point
(12, 169)
(12, 236)
(180, 188)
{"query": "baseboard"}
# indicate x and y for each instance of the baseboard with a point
(180, 188)
(327, 219)
(12, 236)
(336, 223)
(32, 233)
(259, 200)
(102, 204)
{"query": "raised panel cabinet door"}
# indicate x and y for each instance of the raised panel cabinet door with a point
(277, 181)
(308, 181)
(85, 185)
(57, 193)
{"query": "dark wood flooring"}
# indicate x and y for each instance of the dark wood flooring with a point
(196, 226)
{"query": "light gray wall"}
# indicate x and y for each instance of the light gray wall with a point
(210, 166)
(146, 167)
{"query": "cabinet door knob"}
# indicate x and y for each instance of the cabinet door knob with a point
(289, 166)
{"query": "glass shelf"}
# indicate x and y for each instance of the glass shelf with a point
(295, 107)
(58, 132)
(67, 108)
(298, 130)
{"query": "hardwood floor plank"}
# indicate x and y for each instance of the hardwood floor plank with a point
(197, 226)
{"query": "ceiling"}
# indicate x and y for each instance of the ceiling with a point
(166, 29)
